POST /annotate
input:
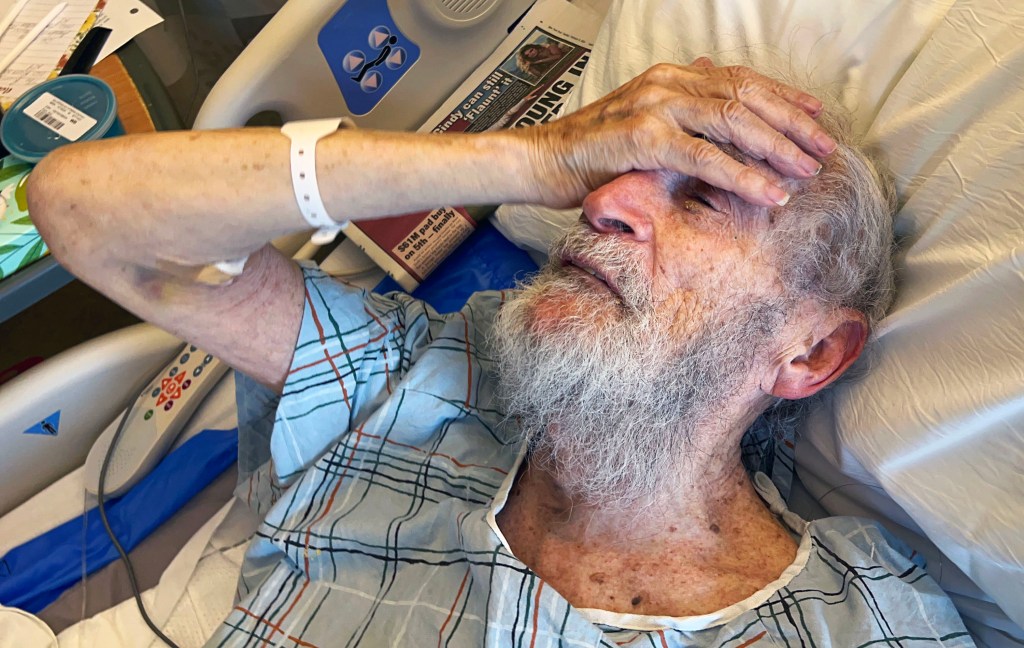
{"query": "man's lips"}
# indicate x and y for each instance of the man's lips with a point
(589, 269)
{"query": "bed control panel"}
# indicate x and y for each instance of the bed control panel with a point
(154, 422)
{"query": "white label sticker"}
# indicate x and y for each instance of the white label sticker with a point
(60, 117)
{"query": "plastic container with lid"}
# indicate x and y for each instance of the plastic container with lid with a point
(72, 108)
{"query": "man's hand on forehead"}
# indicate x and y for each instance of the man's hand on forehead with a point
(788, 112)
(660, 119)
(742, 207)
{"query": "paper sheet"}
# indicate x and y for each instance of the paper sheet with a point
(44, 56)
(127, 19)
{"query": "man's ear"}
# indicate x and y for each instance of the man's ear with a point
(816, 365)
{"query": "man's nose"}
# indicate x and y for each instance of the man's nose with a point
(623, 206)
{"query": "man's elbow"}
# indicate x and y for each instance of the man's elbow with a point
(54, 192)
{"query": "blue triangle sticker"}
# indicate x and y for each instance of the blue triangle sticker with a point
(49, 426)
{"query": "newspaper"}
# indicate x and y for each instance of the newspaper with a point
(523, 83)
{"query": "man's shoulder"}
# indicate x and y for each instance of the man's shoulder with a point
(858, 556)
(340, 299)
(863, 541)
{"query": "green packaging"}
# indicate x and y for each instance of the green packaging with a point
(20, 243)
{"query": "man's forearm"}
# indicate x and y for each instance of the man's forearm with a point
(190, 199)
(139, 217)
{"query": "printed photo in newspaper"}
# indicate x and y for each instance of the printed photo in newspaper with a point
(528, 88)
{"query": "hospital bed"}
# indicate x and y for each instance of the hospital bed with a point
(930, 439)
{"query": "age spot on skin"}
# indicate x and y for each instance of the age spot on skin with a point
(598, 578)
(714, 528)
(637, 600)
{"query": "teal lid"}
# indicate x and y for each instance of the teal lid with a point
(72, 108)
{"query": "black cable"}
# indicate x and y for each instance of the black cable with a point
(110, 532)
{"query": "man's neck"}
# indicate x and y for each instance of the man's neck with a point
(708, 527)
(701, 500)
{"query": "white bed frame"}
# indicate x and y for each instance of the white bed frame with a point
(89, 386)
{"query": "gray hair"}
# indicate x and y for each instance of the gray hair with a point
(835, 243)
(847, 214)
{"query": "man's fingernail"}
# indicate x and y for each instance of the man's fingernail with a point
(825, 144)
(778, 195)
(812, 105)
(811, 166)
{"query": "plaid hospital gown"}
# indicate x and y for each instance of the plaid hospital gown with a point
(388, 455)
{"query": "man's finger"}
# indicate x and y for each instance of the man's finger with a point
(704, 160)
(794, 124)
(807, 103)
(731, 121)
(784, 117)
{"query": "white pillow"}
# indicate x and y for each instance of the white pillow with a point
(938, 422)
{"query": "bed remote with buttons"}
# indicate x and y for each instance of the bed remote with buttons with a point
(155, 420)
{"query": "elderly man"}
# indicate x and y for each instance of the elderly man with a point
(557, 466)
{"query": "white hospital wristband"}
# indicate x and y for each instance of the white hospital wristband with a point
(304, 136)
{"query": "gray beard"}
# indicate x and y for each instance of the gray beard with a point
(608, 398)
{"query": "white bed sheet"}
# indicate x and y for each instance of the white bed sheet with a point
(194, 595)
(938, 422)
